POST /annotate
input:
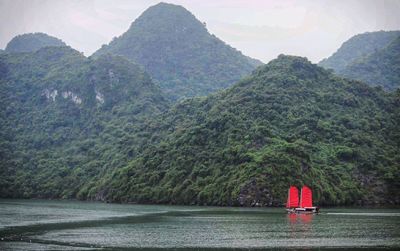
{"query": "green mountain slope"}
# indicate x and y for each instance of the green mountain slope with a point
(177, 50)
(371, 57)
(290, 122)
(32, 42)
(66, 119)
(381, 68)
(358, 47)
(77, 127)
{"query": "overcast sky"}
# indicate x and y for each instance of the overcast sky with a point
(261, 29)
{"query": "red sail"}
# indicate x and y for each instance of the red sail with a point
(293, 197)
(306, 197)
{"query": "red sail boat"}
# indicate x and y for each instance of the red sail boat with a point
(305, 205)
(293, 198)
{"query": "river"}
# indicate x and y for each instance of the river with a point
(73, 225)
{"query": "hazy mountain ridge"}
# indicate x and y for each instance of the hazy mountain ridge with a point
(369, 57)
(381, 68)
(32, 42)
(177, 50)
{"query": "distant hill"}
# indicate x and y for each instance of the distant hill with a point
(366, 57)
(290, 122)
(357, 47)
(32, 42)
(178, 51)
(381, 68)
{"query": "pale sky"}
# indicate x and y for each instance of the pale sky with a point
(260, 29)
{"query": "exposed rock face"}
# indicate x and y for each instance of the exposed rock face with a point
(101, 196)
(376, 186)
(50, 94)
(254, 195)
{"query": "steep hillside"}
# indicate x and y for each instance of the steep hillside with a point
(381, 68)
(290, 122)
(358, 47)
(177, 50)
(32, 42)
(65, 119)
(76, 127)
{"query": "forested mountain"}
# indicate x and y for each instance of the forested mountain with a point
(176, 49)
(32, 42)
(76, 127)
(369, 57)
(381, 68)
(290, 122)
(66, 119)
(357, 47)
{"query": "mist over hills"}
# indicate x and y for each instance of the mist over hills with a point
(115, 127)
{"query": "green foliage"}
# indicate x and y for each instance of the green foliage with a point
(371, 57)
(291, 122)
(381, 68)
(31, 42)
(76, 127)
(357, 47)
(66, 119)
(177, 50)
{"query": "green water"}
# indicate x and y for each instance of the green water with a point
(69, 225)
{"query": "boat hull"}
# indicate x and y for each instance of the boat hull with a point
(303, 210)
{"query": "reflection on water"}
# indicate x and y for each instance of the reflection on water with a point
(302, 219)
(300, 225)
(80, 225)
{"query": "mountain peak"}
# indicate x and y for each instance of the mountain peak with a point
(297, 66)
(30, 42)
(166, 18)
(166, 7)
(288, 60)
(179, 53)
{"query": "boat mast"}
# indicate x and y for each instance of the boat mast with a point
(301, 197)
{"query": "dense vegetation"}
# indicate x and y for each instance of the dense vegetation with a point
(32, 42)
(291, 122)
(66, 119)
(177, 50)
(73, 127)
(357, 47)
(100, 128)
(381, 68)
(372, 57)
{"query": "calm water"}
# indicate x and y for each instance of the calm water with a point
(66, 225)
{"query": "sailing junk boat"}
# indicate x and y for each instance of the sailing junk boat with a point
(305, 206)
